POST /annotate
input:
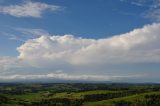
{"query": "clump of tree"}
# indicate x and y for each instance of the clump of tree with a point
(54, 102)
(97, 97)
(3, 99)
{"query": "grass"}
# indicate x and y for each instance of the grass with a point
(80, 95)
(28, 97)
(110, 102)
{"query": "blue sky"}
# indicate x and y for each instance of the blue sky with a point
(36, 35)
(96, 19)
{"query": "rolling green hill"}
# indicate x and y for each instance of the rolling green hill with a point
(79, 94)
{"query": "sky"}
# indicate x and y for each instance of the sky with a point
(80, 40)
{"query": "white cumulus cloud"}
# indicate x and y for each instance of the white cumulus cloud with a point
(81, 58)
(140, 45)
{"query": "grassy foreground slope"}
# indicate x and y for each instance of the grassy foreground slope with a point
(145, 99)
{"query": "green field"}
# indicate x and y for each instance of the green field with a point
(79, 94)
(129, 100)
